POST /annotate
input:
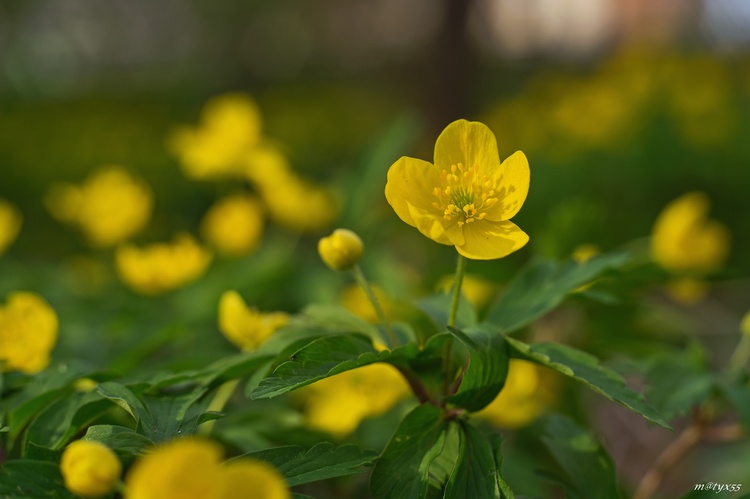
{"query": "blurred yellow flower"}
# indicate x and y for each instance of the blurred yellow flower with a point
(247, 328)
(477, 290)
(162, 267)
(684, 240)
(10, 224)
(342, 250)
(355, 300)
(109, 207)
(191, 468)
(467, 197)
(234, 225)
(687, 290)
(585, 252)
(90, 469)
(230, 126)
(338, 404)
(525, 396)
(28, 332)
(745, 324)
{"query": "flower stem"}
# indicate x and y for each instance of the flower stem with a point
(457, 282)
(219, 401)
(365, 284)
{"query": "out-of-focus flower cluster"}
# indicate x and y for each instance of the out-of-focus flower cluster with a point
(559, 116)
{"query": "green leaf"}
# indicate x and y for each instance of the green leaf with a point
(123, 397)
(738, 396)
(327, 357)
(64, 418)
(588, 467)
(402, 472)
(486, 372)
(214, 374)
(127, 443)
(437, 307)
(321, 462)
(678, 382)
(586, 369)
(475, 474)
(543, 285)
(496, 442)
(27, 478)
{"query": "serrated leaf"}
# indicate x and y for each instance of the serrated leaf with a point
(321, 462)
(486, 372)
(437, 307)
(475, 474)
(326, 357)
(588, 467)
(543, 285)
(586, 369)
(496, 442)
(402, 472)
(53, 427)
(127, 443)
(32, 479)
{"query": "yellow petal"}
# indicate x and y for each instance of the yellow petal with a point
(411, 181)
(468, 142)
(486, 240)
(429, 224)
(512, 180)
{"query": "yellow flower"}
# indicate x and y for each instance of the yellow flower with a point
(338, 404)
(246, 327)
(191, 468)
(90, 469)
(687, 290)
(467, 197)
(477, 290)
(524, 397)
(230, 126)
(28, 332)
(585, 252)
(342, 250)
(684, 240)
(109, 207)
(162, 267)
(10, 224)
(234, 225)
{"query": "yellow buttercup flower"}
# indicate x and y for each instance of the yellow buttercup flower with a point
(191, 468)
(684, 240)
(338, 404)
(10, 224)
(230, 126)
(246, 327)
(90, 469)
(234, 225)
(342, 250)
(28, 332)
(467, 197)
(162, 267)
(109, 207)
(524, 397)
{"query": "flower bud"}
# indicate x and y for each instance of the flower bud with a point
(90, 469)
(342, 250)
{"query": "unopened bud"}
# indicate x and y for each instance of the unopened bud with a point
(342, 250)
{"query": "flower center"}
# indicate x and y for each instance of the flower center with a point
(464, 195)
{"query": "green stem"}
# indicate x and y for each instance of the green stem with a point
(740, 356)
(457, 282)
(221, 398)
(364, 283)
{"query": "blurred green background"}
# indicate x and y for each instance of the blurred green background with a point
(620, 105)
